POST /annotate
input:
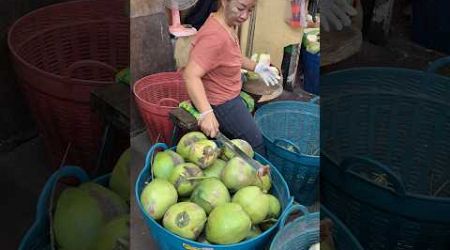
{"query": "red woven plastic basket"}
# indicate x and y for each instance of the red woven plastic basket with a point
(155, 96)
(61, 53)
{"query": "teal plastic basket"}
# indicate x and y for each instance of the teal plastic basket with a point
(299, 234)
(291, 135)
(342, 237)
(38, 235)
(166, 240)
(386, 155)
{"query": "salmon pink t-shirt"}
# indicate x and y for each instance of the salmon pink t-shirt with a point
(219, 54)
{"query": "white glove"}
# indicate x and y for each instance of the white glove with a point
(337, 13)
(268, 74)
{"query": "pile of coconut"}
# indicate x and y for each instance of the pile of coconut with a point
(205, 193)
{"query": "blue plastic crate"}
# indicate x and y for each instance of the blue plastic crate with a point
(291, 134)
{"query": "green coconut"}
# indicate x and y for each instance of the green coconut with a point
(110, 203)
(185, 177)
(238, 174)
(157, 197)
(227, 154)
(227, 224)
(185, 219)
(164, 162)
(215, 170)
(274, 207)
(120, 176)
(203, 153)
(115, 235)
(77, 219)
(184, 144)
(210, 193)
(254, 202)
(264, 182)
(254, 231)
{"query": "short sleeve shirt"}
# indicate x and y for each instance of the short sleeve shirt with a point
(215, 50)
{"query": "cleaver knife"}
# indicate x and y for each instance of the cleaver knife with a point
(261, 169)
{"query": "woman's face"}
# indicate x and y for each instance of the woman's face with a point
(237, 11)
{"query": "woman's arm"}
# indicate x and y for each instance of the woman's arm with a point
(248, 64)
(193, 77)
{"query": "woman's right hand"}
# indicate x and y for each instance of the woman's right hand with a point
(209, 125)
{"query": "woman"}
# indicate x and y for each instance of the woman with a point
(213, 75)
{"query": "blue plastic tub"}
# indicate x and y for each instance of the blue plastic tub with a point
(38, 235)
(291, 134)
(386, 154)
(169, 241)
(299, 234)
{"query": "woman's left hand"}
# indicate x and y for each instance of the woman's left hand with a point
(268, 75)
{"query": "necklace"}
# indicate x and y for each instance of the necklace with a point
(231, 31)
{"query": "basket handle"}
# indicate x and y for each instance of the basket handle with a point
(349, 165)
(280, 142)
(150, 155)
(88, 63)
(290, 210)
(315, 100)
(66, 171)
(168, 100)
(437, 64)
(42, 205)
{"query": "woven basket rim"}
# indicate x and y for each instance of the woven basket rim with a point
(13, 47)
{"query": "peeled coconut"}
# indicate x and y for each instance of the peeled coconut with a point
(242, 144)
(254, 231)
(274, 207)
(184, 144)
(215, 170)
(120, 176)
(210, 193)
(264, 182)
(203, 153)
(115, 234)
(77, 219)
(164, 162)
(157, 197)
(185, 219)
(238, 174)
(254, 202)
(185, 177)
(227, 224)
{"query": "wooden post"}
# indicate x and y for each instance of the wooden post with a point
(151, 50)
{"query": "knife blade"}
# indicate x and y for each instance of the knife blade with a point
(261, 169)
